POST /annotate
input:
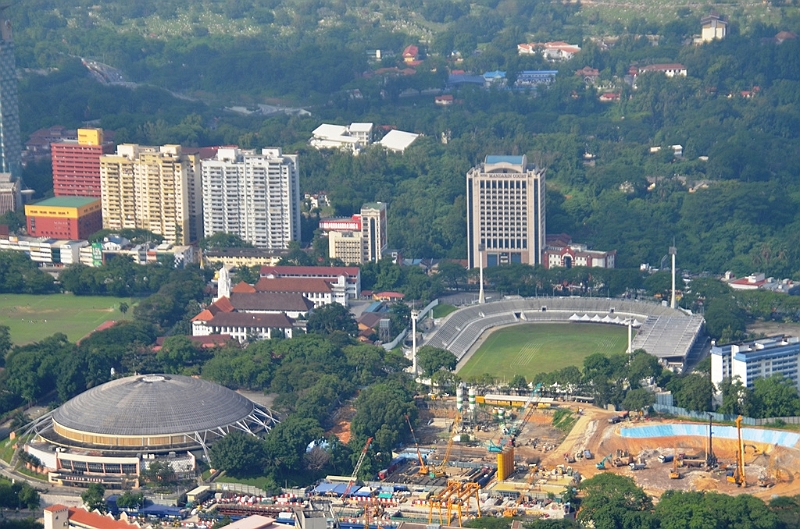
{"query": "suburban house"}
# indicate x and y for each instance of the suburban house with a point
(714, 27)
(588, 74)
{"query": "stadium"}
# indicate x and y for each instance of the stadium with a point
(671, 335)
(111, 433)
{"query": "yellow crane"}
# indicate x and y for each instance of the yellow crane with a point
(423, 467)
(439, 470)
(460, 499)
(737, 475)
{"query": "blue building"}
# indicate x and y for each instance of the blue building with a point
(530, 78)
(756, 359)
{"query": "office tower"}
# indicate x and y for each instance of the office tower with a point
(358, 239)
(505, 212)
(254, 196)
(10, 145)
(373, 230)
(147, 188)
(76, 164)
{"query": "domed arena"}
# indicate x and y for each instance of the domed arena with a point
(117, 428)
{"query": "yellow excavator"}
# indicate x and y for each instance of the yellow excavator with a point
(673, 473)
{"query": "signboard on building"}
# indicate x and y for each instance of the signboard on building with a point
(97, 254)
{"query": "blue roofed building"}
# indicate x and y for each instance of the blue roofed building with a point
(530, 78)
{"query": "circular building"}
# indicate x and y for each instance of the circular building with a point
(113, 427)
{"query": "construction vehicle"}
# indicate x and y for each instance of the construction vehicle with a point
(601, 465)
(737, 475)
(623, 458)
(528, 408)
(423, 467)
(673, 473)
(439, 470)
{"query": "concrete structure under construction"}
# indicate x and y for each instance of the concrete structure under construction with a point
(505, 212)
(112, 432)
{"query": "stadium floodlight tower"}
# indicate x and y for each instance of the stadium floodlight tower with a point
(481, 296)
(672, 252)
(414, 316)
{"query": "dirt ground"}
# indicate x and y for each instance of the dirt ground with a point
(772, 328)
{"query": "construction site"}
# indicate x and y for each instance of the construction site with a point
(501, 455)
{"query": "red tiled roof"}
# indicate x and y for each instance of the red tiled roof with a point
(299, 285)
(389, 295)
(211, 340)
(411, 51)
(206, 315)
(222, 305)
(274, 301)
(251, 319)
(242, 287)
(309, 271)
(96, 521)
(55, 508)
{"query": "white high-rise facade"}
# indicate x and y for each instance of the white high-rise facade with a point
(505, 212)
(254, 196)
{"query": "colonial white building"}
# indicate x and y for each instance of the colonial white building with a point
(254, 196)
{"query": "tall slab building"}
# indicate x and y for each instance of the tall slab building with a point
(505, 212)
(149, 188)
(255, 196)
(76, 164)
(10, 144)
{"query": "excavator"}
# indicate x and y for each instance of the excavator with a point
(423, 467)
(673, 473)
(601, 465)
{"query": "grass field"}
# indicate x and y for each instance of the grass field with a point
(534, 348)
(32, 318)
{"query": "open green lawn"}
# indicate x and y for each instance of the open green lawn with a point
(32, 318)
(533, 348)
(443, 309)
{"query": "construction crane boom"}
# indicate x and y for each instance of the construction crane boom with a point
(438, 471)
(423, 468)
(354, 475)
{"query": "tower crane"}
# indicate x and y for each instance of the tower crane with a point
(423, 467)
(354, 476)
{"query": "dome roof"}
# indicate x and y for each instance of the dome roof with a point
(153, 405)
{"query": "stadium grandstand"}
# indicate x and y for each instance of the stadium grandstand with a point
(668, 334)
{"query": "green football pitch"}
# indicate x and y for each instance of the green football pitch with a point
(532, 348)
(32, 318)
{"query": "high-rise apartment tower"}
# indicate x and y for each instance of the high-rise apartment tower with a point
(254, 196)
(149, 188)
